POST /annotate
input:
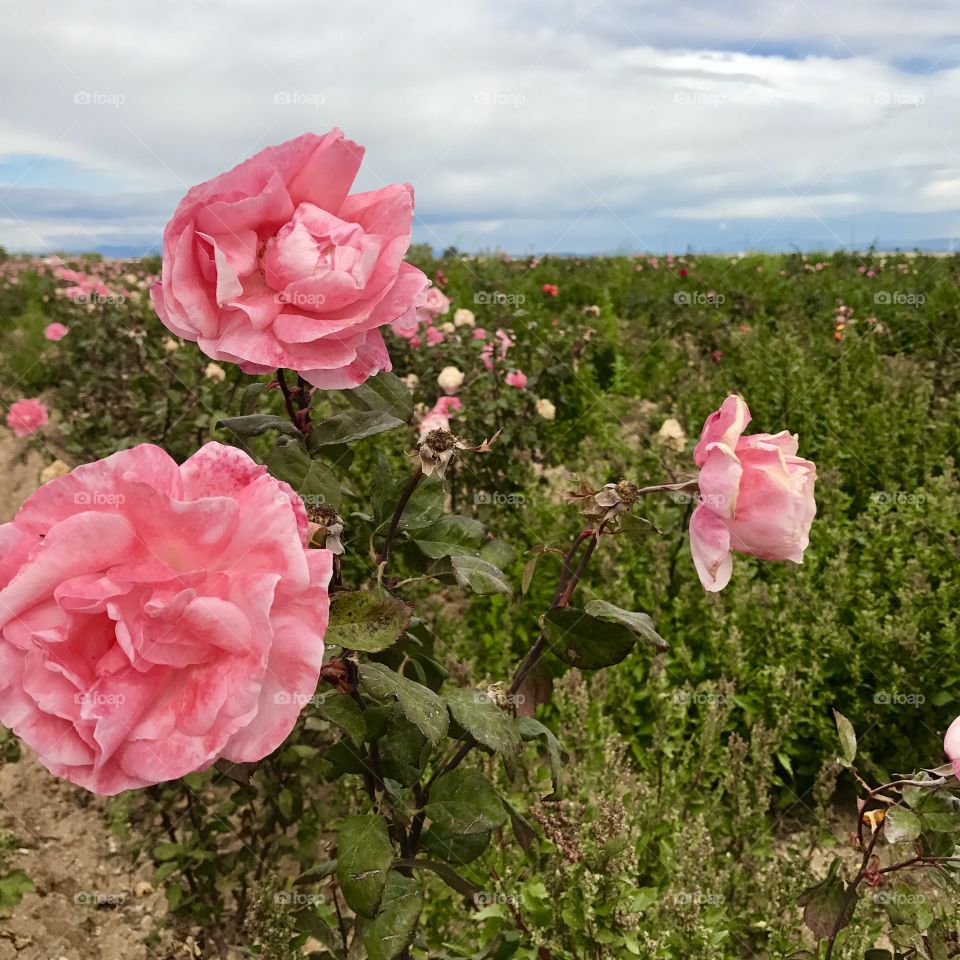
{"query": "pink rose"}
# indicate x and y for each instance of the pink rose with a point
(432, 304)
(154, 618)
(951, 744)
(439, 417)
(517, 378)
(55, 331)
(26, 416)
(273, 265)
(756, 495)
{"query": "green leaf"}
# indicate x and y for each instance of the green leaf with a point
(522, 828)
(464, 803)
(584, 641)
(443, 870)
(529, 569)
(285, 804)
(420, 705)
(639, 623)
(361, 620)
(404, 752)
(345, 712)
(901, 825)
(383, 494)
(13, 886)
(318, 872)
(481, 577)
(385, 391)
(364, 855)
(314, 481)
(529, 730)
(248, 399)
(453, 847)
(848, 737)
(425, 506)
(490, 726)
(257, 423)
(450, 536)
(385, 937)
(498, 552)
(823, 905)
(350, 427)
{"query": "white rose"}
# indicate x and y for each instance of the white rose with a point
(464, 318)
(546, 409)
(450, 379)
(214, 371)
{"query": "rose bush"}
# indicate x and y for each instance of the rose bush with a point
(154, 618)
(273, 264)
(755, 495)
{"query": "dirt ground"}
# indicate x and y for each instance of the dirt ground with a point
(91, 902)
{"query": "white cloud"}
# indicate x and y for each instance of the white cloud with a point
(596, 125)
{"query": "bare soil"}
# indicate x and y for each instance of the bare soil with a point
(91, 902)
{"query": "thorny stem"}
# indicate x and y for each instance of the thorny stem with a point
(383, 557)
(287, 397)
(849, 894)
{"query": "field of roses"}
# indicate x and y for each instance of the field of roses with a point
(576, 695)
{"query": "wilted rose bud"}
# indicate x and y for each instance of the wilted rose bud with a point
(436, 449)
(325, 527)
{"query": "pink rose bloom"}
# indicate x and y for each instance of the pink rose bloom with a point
(506, 342)
(432, 304)
(274, 265)
(951, 744)
(517, 378)
(486, 355)
(434, 336)
(439, 417)
(154, 618)
(479, 334)
(756, 495)
(55, 331)
(26, 416)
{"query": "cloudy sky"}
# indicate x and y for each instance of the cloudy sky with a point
(532, 126)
